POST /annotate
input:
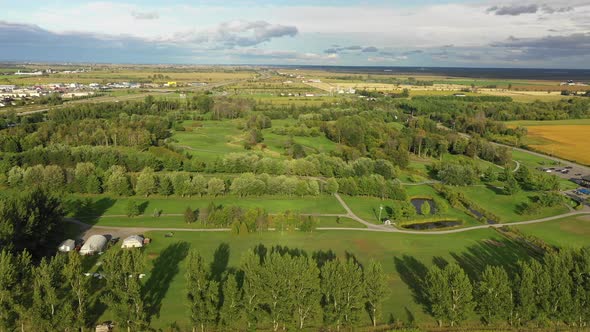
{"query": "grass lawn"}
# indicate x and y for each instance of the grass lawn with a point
(572, 232)
(368, 207)
(211, 140)
(103, 205)
(310, 144)
(404, 258)
(505, 206)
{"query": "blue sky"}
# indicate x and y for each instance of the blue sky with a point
(551, 34)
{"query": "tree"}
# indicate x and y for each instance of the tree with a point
(51, 307)
(215, 187)
(30, 221)
(147, 182)
(494, 294)
(202, 292)
(511, 186)
(79, 285)
(343, 292)
(375, 289)
(490, 174)
(118, 181)
(121, 269)
(332, 186)
(10, 289)
(198, 185)
(449, 293)
(189, 215)
(524, 293)
(425, 208)
(166, 187)
(132, 209)
(230, 314)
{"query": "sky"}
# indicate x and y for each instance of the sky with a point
(429, 33)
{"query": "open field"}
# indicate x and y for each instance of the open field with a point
(125, 75)
(405, 260)
(572, 232)
(103, 205)
(506, 206)
(565, 141)
(208, 140)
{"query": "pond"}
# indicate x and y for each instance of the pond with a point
(432, 225)
(479, 215)
(417, 203)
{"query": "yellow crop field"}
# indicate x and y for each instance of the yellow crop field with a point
(566, 141)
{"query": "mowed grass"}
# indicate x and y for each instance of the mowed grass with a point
(405, 260)
(367, 208)
(571, 232)
(96, 206)
(506, 206)
(208, 140)
(565, 141)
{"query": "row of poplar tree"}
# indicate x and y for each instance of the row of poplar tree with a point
(552, 291)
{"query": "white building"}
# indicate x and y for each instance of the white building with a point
(94, 244)
(67, 246)
(133, 241)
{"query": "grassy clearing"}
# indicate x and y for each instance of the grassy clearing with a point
(209, 140)
(404, 258)
(572, 232)
(505, 206)
(368, 207)
(102, 205)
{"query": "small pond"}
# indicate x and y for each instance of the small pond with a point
(479, 215)
(432, 225)
(417, 203)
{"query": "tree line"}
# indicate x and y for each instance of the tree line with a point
(551, 292)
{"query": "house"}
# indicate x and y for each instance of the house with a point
(67, 246)
(133, 241)
(94, 244)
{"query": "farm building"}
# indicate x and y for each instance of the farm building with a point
(67, 246)
(133, 241)
(94, 244)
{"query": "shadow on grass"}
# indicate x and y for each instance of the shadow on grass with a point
(413, 273)
(87, 209)
(220, 261)
(165, 267)
(502, 252)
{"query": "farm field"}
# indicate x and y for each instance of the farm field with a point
(571, 232)
(564, 141)
(404, 259)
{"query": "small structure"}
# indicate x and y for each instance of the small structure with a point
(585, 181)
(104, 327)
(387, 222)
(94, 244)
(67, 246)
(133, 241)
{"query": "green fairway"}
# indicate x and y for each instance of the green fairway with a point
(572, 232)
(103, 205)
(368, 207)
(505, 206)
(208, 140)
(404, 258)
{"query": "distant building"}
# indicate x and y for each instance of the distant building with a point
(94, 244)
(197, 84)
(585, 181)
(133, 241)
(67, 246)
(7, 87)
